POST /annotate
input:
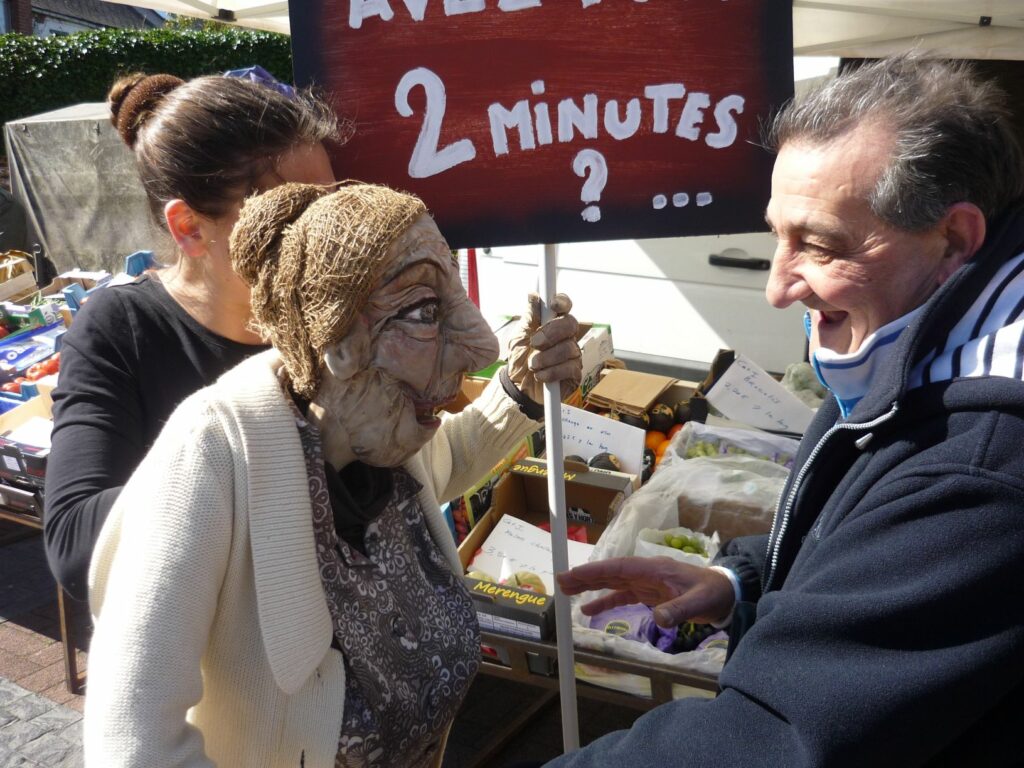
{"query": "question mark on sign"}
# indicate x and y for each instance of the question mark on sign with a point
(592, 161)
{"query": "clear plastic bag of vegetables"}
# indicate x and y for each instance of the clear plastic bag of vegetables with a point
(731, 492)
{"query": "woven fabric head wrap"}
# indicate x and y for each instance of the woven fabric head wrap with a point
(312, 257)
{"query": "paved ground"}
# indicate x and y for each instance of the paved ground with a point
(40, 722)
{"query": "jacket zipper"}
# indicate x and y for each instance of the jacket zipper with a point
(782, 521)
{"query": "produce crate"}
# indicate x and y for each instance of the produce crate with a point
(16, 276)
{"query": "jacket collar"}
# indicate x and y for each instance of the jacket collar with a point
(294, 620)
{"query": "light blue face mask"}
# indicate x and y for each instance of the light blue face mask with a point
(848, 375)
(813, 356)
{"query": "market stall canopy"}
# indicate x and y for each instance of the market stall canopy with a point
(966, 29)
(257, 14)
(969, 29)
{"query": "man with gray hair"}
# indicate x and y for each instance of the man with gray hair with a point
(882, 620)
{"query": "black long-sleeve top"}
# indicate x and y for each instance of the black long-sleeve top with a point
(130, 357)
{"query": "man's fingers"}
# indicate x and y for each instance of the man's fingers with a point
(709, 600)
(611, 600)
(673, 612)
(614, 573)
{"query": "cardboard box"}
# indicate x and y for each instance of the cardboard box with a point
(522, 493)
(512, 611)
(596, 349)
(592, 496)
(22, 500)
(635, 393)
(87, 280)
(16, 276)
(479, 498)
(21, 463)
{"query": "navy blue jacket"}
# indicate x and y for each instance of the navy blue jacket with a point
(889, 626)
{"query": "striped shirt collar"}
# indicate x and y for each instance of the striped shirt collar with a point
(989, 339)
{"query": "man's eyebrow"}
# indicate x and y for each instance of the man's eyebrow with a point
(808, 227)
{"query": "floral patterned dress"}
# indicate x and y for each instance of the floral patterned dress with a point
(403, 621)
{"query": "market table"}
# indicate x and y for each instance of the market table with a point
(519, 650)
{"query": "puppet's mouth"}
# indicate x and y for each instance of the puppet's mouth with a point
(428, 411)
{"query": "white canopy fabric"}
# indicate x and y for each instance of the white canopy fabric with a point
(968, 29)
(963, 29)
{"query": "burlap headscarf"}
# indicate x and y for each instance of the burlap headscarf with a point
(312, 257)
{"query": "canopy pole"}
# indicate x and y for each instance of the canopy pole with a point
(557, 514)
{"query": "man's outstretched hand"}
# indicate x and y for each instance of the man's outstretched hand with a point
(678, 592)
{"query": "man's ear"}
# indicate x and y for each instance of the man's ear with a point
(351, 355)
(184, 224)
(964, 228)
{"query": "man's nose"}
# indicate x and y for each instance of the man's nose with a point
(785, 284)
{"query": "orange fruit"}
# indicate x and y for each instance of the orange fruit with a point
(654, 438)
(675, 428)
(662, 447)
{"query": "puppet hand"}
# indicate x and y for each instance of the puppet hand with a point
(538, 354)
(677, 591)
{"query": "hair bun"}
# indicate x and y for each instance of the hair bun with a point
(133, 98)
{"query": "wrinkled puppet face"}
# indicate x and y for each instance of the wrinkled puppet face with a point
(406, 353)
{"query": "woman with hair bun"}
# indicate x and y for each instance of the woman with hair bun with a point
(136, 351)
(275, 585)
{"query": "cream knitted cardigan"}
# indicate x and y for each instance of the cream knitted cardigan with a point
(212, 641)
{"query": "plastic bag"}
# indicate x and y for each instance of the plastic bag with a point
(702, 440)
(651, 542)
(733, 492)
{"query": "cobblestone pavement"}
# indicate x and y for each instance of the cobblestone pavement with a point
(36, 732)
(40, 721)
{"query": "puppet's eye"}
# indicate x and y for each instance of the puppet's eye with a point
(427, 312)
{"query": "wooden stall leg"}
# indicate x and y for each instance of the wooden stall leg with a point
(75, 682)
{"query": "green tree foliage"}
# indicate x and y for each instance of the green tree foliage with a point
(38, 74)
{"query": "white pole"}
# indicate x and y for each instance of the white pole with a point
(559, 532)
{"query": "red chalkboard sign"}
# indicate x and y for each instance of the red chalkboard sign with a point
(546, 121)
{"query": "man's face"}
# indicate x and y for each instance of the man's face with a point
(855, 272)
(415, 339)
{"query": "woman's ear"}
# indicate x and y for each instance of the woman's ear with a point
(964, 228)
(184, 224)
(351, 355)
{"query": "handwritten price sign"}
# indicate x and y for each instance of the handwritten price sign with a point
(533, 121)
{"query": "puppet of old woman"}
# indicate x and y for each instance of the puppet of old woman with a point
(275, 585)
